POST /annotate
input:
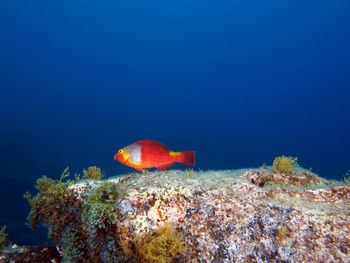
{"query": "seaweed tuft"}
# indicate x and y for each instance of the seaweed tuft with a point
(49, 204)
(52, 206)
(160, 246)
(282, 233)
(78, 227)
(346, 178)
(93, 172)
(3, 237)
(284, 164)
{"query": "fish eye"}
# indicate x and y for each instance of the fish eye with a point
(120, 151)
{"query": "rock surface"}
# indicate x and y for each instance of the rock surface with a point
(30, 254)
(220, 216)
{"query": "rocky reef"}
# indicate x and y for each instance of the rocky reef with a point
(247, 215)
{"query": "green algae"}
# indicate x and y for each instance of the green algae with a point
(53, 206)
(86, 229)
(56, 206)
(50, 203)
(3, 237)
(100, 217)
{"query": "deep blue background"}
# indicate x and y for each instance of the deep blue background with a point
(239, 81)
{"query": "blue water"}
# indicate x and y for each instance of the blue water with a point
(239, 82)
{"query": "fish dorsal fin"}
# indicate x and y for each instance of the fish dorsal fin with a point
(164, 166)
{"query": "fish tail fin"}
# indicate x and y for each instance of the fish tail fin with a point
(186, 157)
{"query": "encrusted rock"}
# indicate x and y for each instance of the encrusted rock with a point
(219, 216)
(30, 254)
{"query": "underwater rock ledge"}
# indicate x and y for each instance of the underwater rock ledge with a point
(247, 215)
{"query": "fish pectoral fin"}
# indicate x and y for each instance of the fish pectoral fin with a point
(164, 166)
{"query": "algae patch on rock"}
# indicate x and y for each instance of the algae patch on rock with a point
(214, 216)
(3, 236)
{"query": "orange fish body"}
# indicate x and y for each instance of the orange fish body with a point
(147, 154)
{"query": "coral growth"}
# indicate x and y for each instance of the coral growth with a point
(161, 246)
(284, 164)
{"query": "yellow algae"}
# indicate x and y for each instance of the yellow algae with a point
(93, 172)
(284, 163)
(160, 246)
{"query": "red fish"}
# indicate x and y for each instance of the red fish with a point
(147, 154)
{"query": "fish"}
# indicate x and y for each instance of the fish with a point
(148, 154)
